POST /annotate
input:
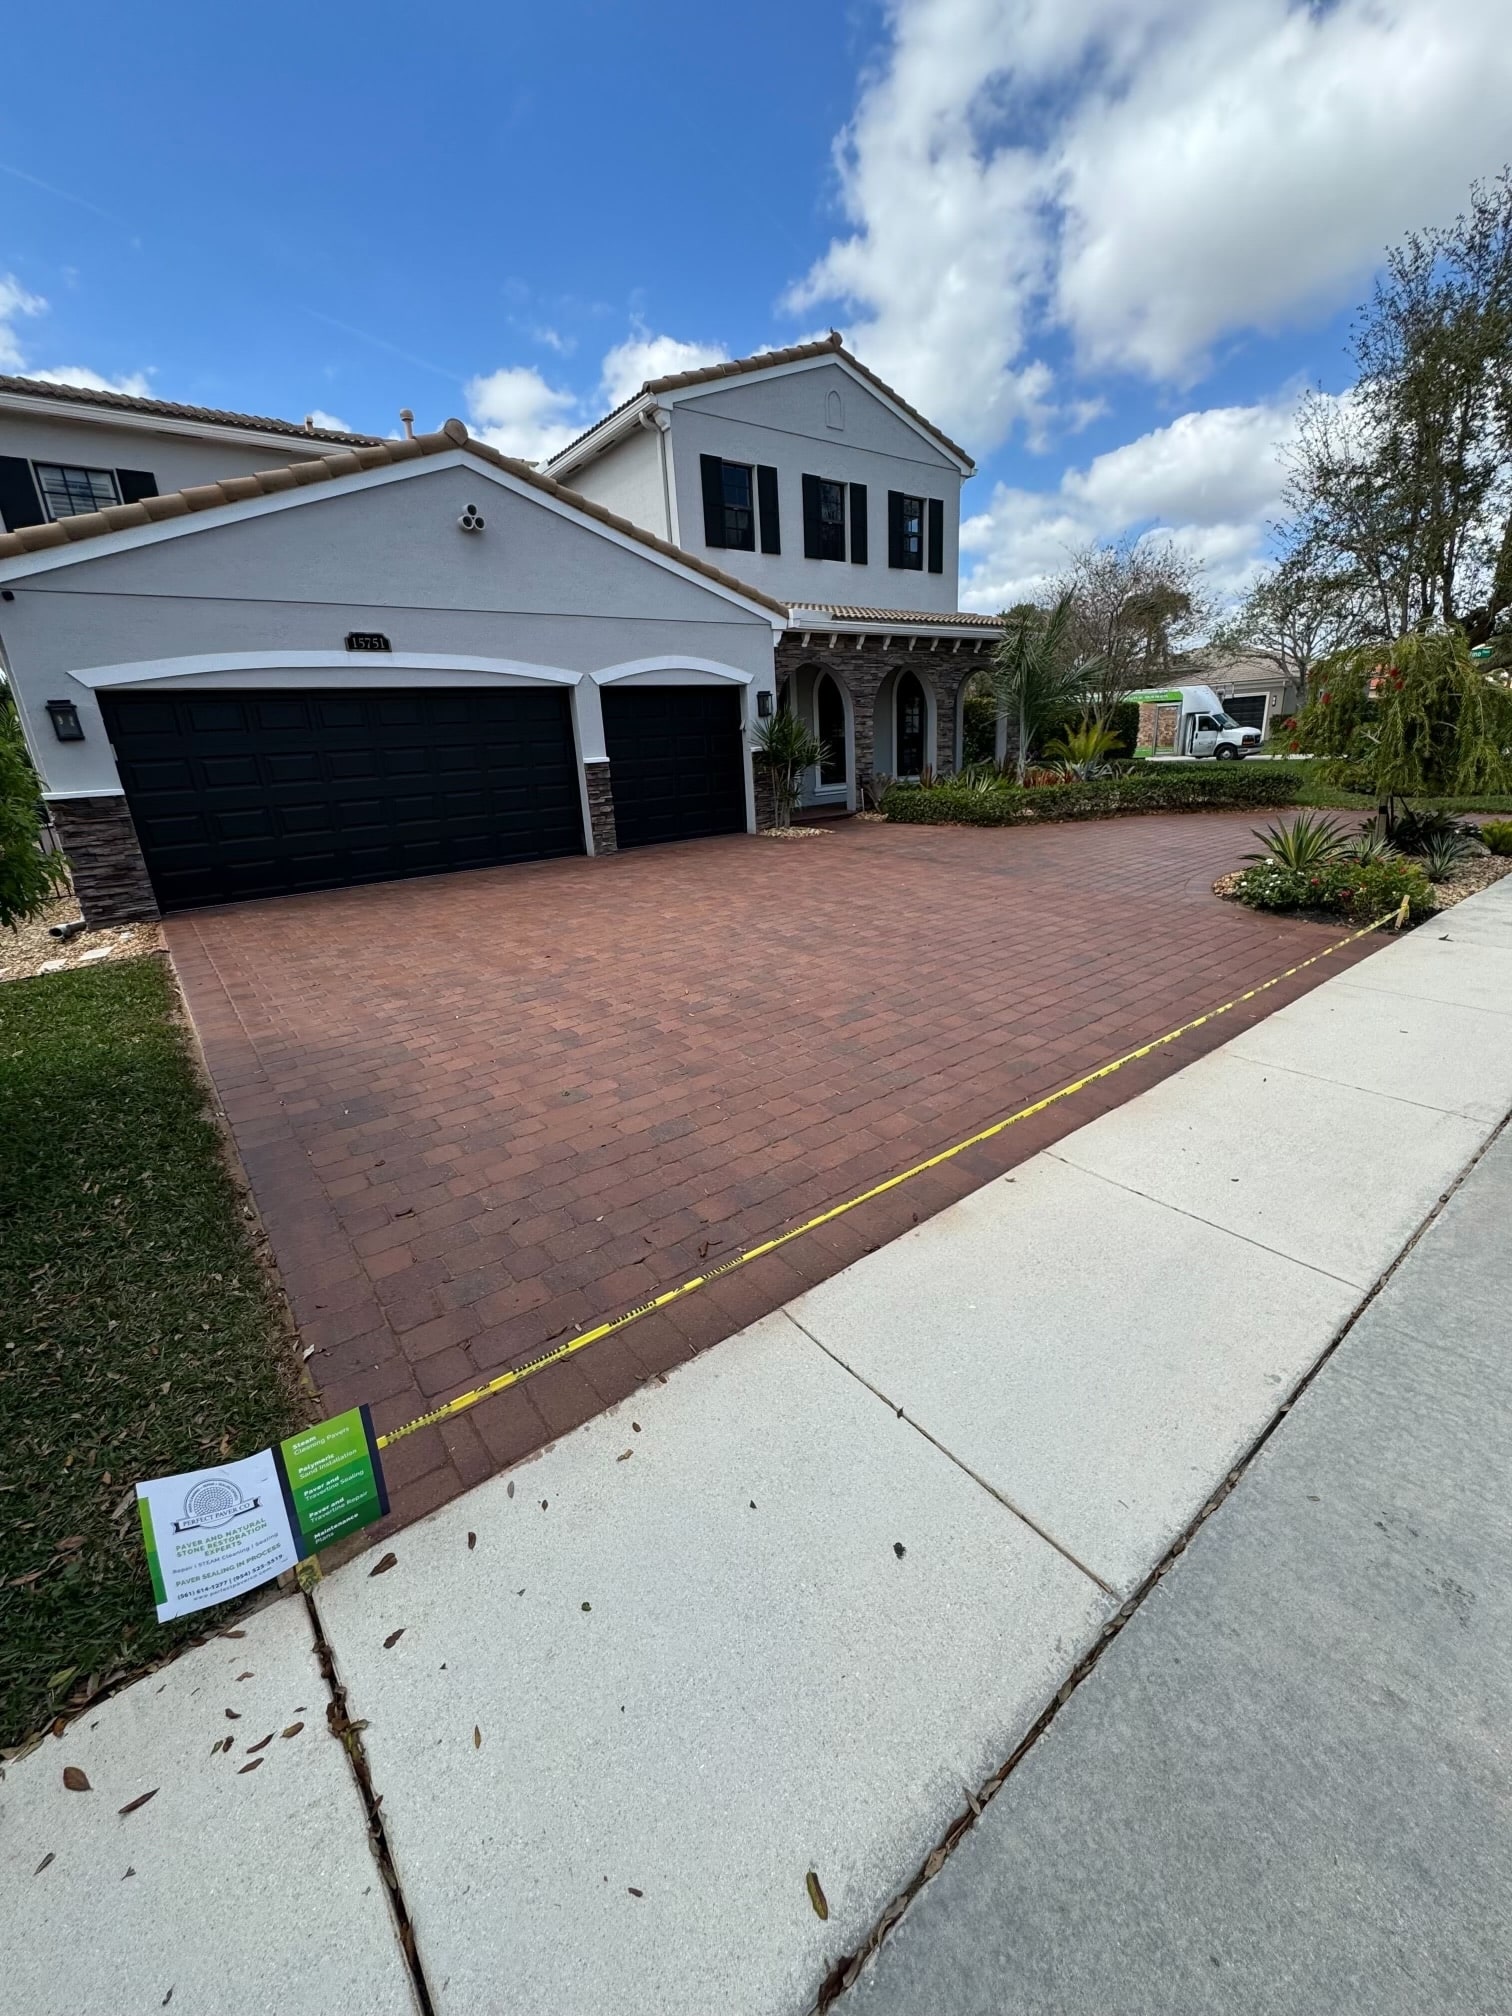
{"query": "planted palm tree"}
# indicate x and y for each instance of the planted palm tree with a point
(785, 748)
(1088, 750)
(1035, 672)
(1304, 843)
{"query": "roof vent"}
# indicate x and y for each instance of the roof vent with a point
(309, 423)
(408, 419)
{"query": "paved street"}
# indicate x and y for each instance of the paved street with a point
(1286, 1787)
(482, 1111)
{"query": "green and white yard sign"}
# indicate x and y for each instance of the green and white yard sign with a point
(214, 1534)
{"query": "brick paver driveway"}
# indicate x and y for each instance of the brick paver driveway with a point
(486, 1110)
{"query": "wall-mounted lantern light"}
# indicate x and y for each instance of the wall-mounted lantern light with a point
(65, 719)
(764, 705)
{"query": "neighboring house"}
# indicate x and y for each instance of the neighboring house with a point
(389, 658)
(803, 473)
(1253, 689)
(64, 450)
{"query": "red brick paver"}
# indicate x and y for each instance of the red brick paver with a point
(483, 1111)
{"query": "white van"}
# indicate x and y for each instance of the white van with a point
(1188, 721)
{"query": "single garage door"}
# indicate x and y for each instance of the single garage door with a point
(260, 793)
(1248, 709)
(676, 762)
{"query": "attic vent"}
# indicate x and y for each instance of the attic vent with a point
(834, 412)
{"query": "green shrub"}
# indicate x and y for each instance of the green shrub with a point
(1359, 890)
(1305, 841)
(1496, 834)
(29, 879)
(1152, 787)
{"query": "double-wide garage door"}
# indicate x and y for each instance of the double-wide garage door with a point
(238, 794)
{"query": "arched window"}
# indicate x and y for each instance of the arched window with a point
(834, 412)
(911, 716)
(829, 713)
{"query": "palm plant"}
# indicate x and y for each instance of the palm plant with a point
(1444, 852)
(1305, 843)
(1035, 673)
(785, 748)
(1088, 750)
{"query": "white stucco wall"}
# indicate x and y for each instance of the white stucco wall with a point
(783, 421)
(176, 461)
(537, 588)
(629, 479)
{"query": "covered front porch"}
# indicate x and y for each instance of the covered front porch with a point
(883, 689)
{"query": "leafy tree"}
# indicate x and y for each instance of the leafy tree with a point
(1419, 715)
(1296, 615)
(1036, 673)
(1133, 603)
(1405, 484)
(29, 879)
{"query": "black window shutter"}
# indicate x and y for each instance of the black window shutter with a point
(135, 484)
(858, 524)
(895, 528)
(712, 471)
(936, 536)
(766, 502)
(19, 503)
(812, 545)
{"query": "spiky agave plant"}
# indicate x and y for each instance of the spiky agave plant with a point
(1305, 842)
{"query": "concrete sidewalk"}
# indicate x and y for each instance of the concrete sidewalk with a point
(1286, 1786)
(781, 1613)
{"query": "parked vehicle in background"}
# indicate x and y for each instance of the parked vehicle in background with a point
(1190, 721)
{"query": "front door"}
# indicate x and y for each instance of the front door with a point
(910, 705)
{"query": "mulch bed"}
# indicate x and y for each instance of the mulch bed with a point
(29, 949)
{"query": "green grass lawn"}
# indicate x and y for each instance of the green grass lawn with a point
(1317, 792)
(139, 1334)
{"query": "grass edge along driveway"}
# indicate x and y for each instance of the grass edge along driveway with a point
(139, 1331)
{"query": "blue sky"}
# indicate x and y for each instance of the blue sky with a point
(1103, 244)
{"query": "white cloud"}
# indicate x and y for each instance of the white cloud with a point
(1211, 479)
(629, 364)
(134, 384)
(515, 410)
(1151, 177)
(14, 302)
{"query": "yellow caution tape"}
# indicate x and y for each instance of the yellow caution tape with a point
(519, 1373)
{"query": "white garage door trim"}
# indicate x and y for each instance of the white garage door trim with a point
(375, 668)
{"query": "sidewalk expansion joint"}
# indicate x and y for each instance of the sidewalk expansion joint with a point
(349, 1734)
(848, 1967)
(951, 1457)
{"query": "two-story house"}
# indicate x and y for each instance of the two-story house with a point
(803, 473)
(349, 660)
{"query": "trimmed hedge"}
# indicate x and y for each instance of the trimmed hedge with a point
(1154, 787)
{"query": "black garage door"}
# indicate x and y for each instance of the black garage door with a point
(259, 793)
(676, 762)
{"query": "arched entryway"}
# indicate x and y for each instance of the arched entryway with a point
(910, 726)
(831, 726)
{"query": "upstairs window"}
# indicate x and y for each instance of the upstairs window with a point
(915, 532)
(66, 492)
(730, 492)
(823, 519)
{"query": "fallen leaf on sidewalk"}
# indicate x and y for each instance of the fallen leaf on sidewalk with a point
(129, 1872)
(246, 1676)
(48, 1857)
(636, 1426)
(141, 1799)
(477, 1737)
(393, 1639)
(233, 1715)
(587, 1606)
(816, 1896)
(253, 1748)
(388, 1561)
(633, 1891)
(472, 1541)
(509, 1489)
(292, 1730)
(75, 1780)
(625, 1456)
(899, 1549)
(253, 1766)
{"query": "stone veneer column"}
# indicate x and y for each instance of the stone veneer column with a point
(105, 858)
(861, 664)
(601, 808)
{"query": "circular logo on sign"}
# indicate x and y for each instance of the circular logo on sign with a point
(213, 1501)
